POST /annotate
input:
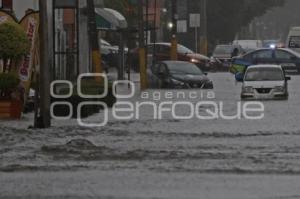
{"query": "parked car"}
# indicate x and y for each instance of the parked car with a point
(163, 54)
(178, 75)
(249, 45)
(265, 82)
(223, 54)
(288, 59)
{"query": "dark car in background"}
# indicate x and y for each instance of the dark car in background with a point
(178, 75)
(162, 53)
(288, 59)
(222, 55)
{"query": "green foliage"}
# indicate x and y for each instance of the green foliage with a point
(8, 81)
(225, 18)
(13, 41)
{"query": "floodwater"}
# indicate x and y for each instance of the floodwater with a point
(146, 158)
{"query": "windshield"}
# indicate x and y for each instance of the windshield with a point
(223, 50)
(184, 68)
(184, 50)
(264, 74)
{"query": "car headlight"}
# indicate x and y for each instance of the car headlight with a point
(279, 89)
(196, 61)
(248, 89)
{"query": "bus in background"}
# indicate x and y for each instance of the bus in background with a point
(293, 39)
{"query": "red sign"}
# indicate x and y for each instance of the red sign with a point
(26, 66)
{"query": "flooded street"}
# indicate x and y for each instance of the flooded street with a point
(159, 159)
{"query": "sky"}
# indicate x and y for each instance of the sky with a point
(20, 6)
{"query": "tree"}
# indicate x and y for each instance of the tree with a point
(14, 44)
(225, 18)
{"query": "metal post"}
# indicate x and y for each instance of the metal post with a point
(121, 56)
(203, 27)
(174, 31)
(155, 34)
(46, 58)
(196, 39)
(93, 35)
(142, 51)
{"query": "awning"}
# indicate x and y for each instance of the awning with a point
(110, 19)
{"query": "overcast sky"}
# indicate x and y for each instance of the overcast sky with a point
(20, 6)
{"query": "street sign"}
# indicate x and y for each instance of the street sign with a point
(194, 20)
(182, 26)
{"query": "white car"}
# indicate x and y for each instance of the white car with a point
(263, 82)
(249, 45)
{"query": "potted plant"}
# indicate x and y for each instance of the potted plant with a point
(14, 45)
(11, 100)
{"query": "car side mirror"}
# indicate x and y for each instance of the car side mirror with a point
(288, 78)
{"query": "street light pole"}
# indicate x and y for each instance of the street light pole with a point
(46, 59)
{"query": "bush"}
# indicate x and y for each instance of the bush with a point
(8, 81)
(14, 43)
(8, 84)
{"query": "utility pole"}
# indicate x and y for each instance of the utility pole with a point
(46, 59)
(174, 41)
(203, 27)
(142, 50)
